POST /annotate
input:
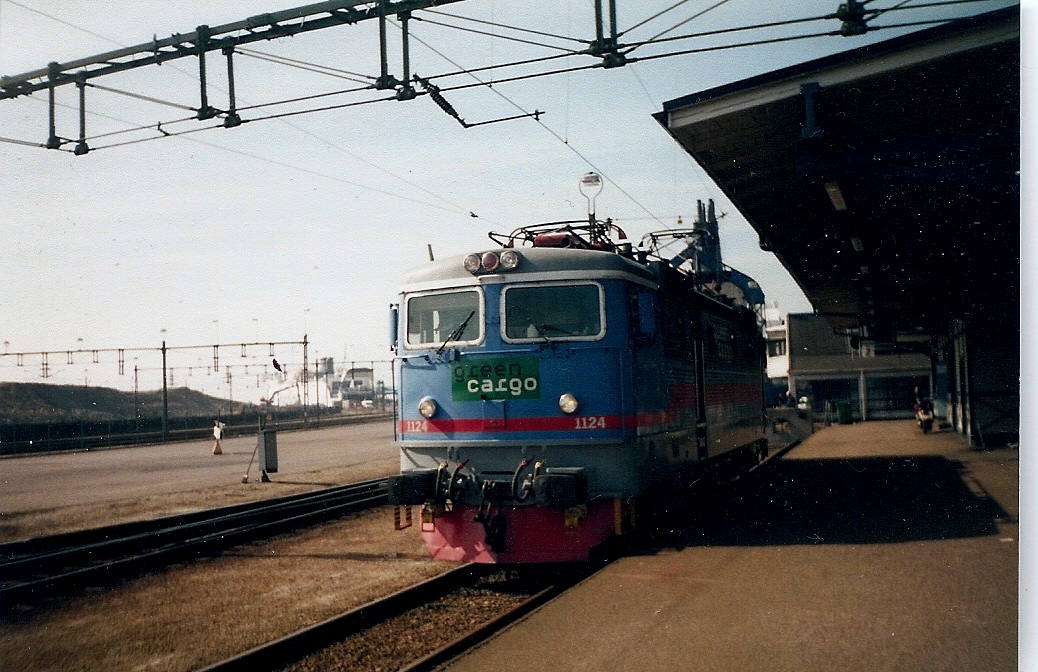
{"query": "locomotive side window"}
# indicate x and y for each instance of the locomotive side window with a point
(723, 343)
(678, 339)
(643, 316)
(553, 313)
(433, 319)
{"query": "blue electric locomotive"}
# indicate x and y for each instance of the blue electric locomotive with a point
(550, 385)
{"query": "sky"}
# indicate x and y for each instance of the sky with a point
(304, 224)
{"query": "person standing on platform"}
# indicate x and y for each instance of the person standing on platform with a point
(218, 434)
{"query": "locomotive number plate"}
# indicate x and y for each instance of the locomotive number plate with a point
(412, 426)
(500, 378)
(590, 422)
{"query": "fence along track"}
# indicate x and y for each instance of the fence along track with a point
(29, 439)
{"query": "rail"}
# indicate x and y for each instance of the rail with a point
(537, 585)
(33, 569)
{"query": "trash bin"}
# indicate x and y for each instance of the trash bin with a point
(843, 413)
(267, 447)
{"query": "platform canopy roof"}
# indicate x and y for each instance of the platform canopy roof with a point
(885, 179)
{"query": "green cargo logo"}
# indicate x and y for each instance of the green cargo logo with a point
(513, 378)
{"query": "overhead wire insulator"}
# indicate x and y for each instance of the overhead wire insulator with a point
(437, 97)
(852, 14)
(433, 92)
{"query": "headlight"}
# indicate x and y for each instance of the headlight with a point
(509, 259)
(427, 407)
(490, 261)
(568, 404)
(471, 263)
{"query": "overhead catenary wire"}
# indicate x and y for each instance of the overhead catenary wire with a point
(596, 66)
(516, 78)
(542, 124)
(303, 99)
(505, 26)
(778, 40)
(660, 40)
(514, 64)
(335, 178)
(140, 96)
(158, 127)
(63, 22)
(165, 133)
(312, 110)
(902, 6)
(691, 18)
(162, 127)
(656, 15)
(122, 131)
(25, 143)
(470, 72)
(308, 66)
(382, 169)
(657, 39)
(750, 43)
(630, 46)
(921, 5)
(494, 35)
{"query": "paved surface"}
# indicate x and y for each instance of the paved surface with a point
(47, 481)
(867, 547)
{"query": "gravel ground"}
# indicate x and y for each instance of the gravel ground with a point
(198, 613)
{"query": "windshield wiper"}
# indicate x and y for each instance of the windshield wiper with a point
(458, 331)
(532, 323)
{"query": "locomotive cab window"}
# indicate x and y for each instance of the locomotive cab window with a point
(435, 319)
(540, 313)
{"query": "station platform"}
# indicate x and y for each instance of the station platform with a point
(866, 547)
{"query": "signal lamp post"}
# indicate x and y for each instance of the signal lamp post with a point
(165, 395)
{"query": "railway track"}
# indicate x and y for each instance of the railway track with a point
(35, 569)
(418, 628)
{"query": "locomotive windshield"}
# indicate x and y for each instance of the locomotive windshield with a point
(553, 312)
(434, 319)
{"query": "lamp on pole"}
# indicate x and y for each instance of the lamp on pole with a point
(136, 408)
(317, 383)
(165, 391)
(306, 374)
(590, 187)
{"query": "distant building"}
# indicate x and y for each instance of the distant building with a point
(776, 335)
(356, 386)
(824, 368)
